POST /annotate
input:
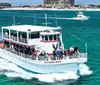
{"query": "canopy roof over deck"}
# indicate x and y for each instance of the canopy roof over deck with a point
(32, 28)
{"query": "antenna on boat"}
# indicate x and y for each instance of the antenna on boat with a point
(46, 19)
(13, 20)
(56, 18)
(86, 47)
(34, 20)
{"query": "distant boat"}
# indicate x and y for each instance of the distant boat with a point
(80, 16)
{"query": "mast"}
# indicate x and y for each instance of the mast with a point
(46, 19)
(56, 18)
(34, 20)
(14, 20)
(86, 47)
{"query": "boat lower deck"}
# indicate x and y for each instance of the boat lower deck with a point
(43, 66)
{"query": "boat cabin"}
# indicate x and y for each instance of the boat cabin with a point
(40, 38)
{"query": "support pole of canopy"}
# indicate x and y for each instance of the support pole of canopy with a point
(34, 20)
(14, 20)
(17, 36)
(9, 33)
(2, 33)
(46, 19)
(56, 19)
(86, 49)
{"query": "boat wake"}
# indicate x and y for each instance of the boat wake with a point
(11, 70)
(64, 18)
(74, 18)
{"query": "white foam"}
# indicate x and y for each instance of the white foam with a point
(75, 18)
(13, 70)
(56, 76)
(84, 70)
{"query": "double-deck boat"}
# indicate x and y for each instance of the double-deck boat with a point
(39, 49)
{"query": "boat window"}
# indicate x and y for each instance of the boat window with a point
(58, 37)
(33, 35)
(13, 34)
(43, 37)
(5, 30)
(55, 37)
(50, 37)
(46, 38)
(5, 33)
(22, 37)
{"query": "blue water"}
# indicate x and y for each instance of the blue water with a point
(75, 32)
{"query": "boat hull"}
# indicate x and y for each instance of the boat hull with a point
(78, 18)
(58, 66)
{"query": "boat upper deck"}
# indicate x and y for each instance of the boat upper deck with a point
(32, 28)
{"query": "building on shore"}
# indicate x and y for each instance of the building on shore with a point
(5, 5)
(58, 3)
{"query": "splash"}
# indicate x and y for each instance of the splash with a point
(56, 77)
(74, 18)
(12, 70)
(84, 70)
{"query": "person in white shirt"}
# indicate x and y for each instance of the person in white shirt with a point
(71, 49)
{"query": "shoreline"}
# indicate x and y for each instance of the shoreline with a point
(52, 9)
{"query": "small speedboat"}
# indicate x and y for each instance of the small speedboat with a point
(81, 16)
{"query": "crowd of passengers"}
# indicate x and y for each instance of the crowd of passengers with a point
(21, 50)
(29, 52)
(73, 52)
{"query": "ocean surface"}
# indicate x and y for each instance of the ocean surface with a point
(75, 32)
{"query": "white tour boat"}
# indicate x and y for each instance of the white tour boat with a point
(39, 49)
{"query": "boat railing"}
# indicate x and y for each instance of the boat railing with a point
(46, 56)
(15, 38)
(23, 40)
(83, 55)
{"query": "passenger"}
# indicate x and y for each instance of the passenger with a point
(35, 52)
(72, 49)
(26, 52)
(57, 54)
(34, 56)
(6, 35)
(20, 38)
(12, 46)
(67, 52)
(42, 55)
(2, 45)
(30, 51)
(77, 53)
(61, 54)
(75, 48)
(16, 49)
(23, 51)
(54, 54)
